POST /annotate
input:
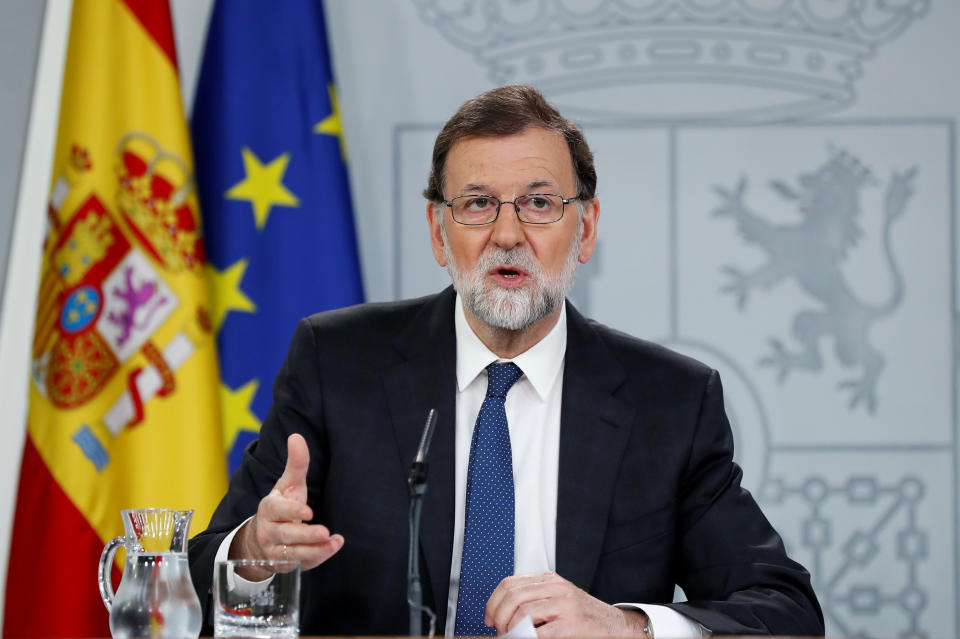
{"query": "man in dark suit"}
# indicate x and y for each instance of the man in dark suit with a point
(599, 473)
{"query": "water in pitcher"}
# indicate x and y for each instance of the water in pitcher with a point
(155, 598)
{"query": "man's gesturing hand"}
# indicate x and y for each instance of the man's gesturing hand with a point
(277, 531)
(558, 609)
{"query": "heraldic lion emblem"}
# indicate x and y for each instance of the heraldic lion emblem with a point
(811, 253)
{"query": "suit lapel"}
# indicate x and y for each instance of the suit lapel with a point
(594, 429)
(425, 378)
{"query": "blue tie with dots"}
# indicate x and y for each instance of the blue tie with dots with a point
(488, 532)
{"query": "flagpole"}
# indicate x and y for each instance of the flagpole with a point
(23, 270)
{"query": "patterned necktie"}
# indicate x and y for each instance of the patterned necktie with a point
(488, 533)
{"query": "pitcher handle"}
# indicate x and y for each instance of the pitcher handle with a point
(105, 578)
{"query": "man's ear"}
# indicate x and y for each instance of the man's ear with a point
(436, 233)
(588, 239)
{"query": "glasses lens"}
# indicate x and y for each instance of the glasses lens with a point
(474, 209)
(540, 208)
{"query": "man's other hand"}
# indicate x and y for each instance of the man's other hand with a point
(558, 609)
(277, 530)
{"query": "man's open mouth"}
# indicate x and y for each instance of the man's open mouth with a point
(509, 273)
(509, 276)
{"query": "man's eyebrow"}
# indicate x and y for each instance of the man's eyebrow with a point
(476, 188)
(537, 184)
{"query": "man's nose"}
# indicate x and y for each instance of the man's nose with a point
(507, 228)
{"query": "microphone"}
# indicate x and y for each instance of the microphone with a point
(417, 484)
(418, 470)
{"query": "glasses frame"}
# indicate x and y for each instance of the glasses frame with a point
(516, 207)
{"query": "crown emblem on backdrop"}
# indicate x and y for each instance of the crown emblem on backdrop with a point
(748, 60)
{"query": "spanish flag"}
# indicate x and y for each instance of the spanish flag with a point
(124, 406)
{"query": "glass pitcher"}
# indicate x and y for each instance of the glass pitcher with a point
(156, 597)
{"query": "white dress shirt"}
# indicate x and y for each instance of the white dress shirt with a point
(533, 417)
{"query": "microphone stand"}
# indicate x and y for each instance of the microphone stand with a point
(417, 484)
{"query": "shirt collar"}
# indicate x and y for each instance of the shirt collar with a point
(540, 363)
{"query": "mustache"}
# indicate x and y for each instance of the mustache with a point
(521, 257)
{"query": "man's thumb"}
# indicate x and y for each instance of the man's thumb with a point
(295, 473)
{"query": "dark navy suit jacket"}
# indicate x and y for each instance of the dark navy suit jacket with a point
(648, 493)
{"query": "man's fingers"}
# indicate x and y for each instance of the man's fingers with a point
(278, 531)
(510, 583)
(515, 591)
(540, 612)
(558, 609)
(309, 555)
(304, 549)
(313, 556)
(293, 481)
(542, 601)
(276, 508)
(292, 533)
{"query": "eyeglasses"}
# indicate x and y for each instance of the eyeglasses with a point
(533, 208)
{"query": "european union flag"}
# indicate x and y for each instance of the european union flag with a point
(273, 191)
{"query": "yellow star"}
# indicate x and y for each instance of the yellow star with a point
(226, 294)
(331, 124)
(235, 411)
(263, 187)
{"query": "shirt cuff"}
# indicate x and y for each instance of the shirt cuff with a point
(223, 552)
(237, 582)
(667, 623)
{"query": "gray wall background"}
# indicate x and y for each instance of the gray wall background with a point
(20, 22)
(838, 118)
(825, 121)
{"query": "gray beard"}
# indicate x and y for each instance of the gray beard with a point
(513, 309)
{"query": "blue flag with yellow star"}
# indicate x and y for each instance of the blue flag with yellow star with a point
(273, 191)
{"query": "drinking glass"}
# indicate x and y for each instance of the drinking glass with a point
(264, 609)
